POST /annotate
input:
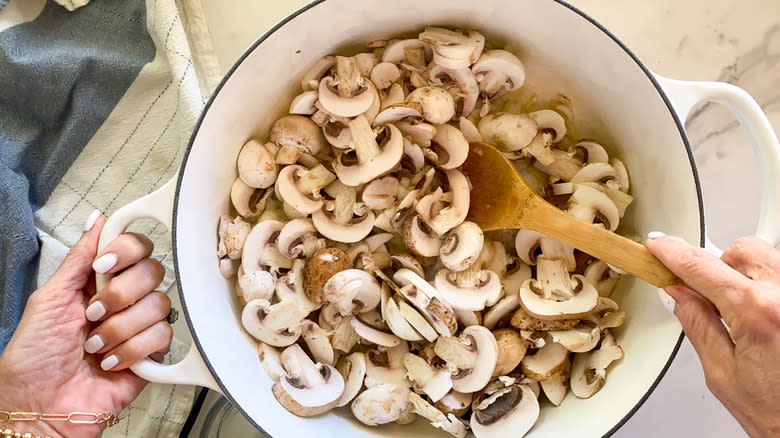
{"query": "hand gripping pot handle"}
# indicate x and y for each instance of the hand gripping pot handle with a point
(158, 206)
(684, 95)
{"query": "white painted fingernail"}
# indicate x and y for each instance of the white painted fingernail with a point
(654, 235)
(95, 311)
(109, 362)
(668, 302)
(104, 263)
(91, 220)
(93, 344)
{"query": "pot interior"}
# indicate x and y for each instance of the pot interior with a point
(614, 101)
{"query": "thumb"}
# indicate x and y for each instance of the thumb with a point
(76, 269)
(710, 338)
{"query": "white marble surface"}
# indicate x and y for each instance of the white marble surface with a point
(725, 40)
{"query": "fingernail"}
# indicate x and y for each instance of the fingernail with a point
(109, 362)
(91, 220)
(668, 302)
(95, 311)
(654, 235)
(104, 263)
(93, 344)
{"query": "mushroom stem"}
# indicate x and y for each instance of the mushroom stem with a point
(315, 179)
(348, 74)
(363, 139)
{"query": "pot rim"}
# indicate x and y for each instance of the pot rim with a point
(295, 14)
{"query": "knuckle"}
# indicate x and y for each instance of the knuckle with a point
(115, 295)
(717, 381)
(162, 301)
(156, 268)
(166, 332)
(142, 240)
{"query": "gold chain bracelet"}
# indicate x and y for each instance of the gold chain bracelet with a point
(74, 417)
(8, 433)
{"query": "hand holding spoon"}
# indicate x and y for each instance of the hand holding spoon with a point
(500, 198)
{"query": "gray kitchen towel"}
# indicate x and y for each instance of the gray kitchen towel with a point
(61, 75)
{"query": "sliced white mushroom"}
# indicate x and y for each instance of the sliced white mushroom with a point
(592, 152)
(510, 411)
(436, 383)
(595, 172)
(395, 52)
(581, 338)
(497, 72)
(589, 370)
(621, 177)
(372, 159)
(455, 403)
(419, 239)
(453, 49)
(508, 132)
(295, 135)
(511, 351)
(270, 361)
(556, 386)
(394, 95)
(317, 342)
(500, 311)
(448, 423)
(303, 103)
(374, 336)
(340, 105)
(524, 321)
(473, 356)
(472, 289)
(545, 300)
(260, 249)
(395, 320)
(438, 106)
(353, 291)
(460, 83)
(450, 146)
(317, 70)
(353, 369)
(461, 247)
(542, 363)
(607, 314)
(469, 130)
(454, 214)
(255, 285)
(297, 187)
(419, 133)
(386, 365)
(384, 74)
(528, 243)
(427, 300)
(354, 230)
(277, 325)
(232, 233)
(256, 165)
(589, 204)
(381, 193)
(548, 119)
(308, 388)
(298, 239)
(248, 201)
(381, 404)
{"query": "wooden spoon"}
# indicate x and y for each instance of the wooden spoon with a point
(500, 198)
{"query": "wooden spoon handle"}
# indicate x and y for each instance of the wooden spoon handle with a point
(618, 251)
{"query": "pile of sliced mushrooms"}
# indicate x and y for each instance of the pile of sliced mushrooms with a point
(359, 275)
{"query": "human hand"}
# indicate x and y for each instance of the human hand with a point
(743, 288)
(45, 367)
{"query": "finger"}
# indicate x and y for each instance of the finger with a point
(153, 339)
(703, 272)
(754, 258)
(76, 269)
(124, 251)
(709, 338)
(124, 325)
(125, 289)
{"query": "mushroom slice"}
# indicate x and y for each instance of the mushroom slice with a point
(455, 403)
(510, 411)
(621, 177)
(453, 49)
(419, 239)
(524, 321)
(393, 96)
(319, 268)
(317, 342)
(407, 261)
(353, 231)
(592, 151)
(470, 289)
(453, 215)
(467, 317)
(386, 365)
(589, 204)
(461, 246)
(528, 243)
(581, 338)
(317, 70)
(260, 249)
(427, 300)
(508, 132)
(556, 386)
(460, 83)
(381, 193)
(396, 321)
(297, 186)
(298, 239)
(515, 274)
(256, 165)
(296, 134)
(416, 320)
(303, 103)
(248, 201)
(353, 291)
(500, 311)
(596, 172)
(308, 388)
(438, 106)
(406, 111)
(542, 363)
(589, 370)
(473, 356)
(395, 52)
(370, 334)
(337, 133)
(277, 325)
(469, 130)
(497, 72)
(419, 133)
(271, 361)
(344, 337)
(448, 423)
(511, 351)
(424, 377)
(602, 277)
(232, 234)
(582, 300)
(551, 120)
(607, 314)
(340, 105)
(255, 285)
(353, 369)
(372, 159)
(384, 74)
(381, 404)
(228, 268)
(450, 146)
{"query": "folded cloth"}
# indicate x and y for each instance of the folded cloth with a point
(96, 109)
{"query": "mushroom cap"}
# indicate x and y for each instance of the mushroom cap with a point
(467, 90)
(381, 193)
(405, 111)
(384, 74)
(589, 370)
(419, 241)
(453, 49)
(295, 236)
(270, 360)
(472, 291)
(479, 372)
(318, 270)
(419, 133)
(456, 212)
(351, 232)
(308, 389)
(395, 52)
(511, 350)
(286, 189)
(343, 106)
(528, 242)
(299, 132)
(388, 157)
(547, 119)
(381, 404)
(498, 71)
(583, 300)
(512, 412)
(508, 132)
(277, 325)
(317, 342)
(469, 130)
(588, 204)
(248, 201)
(450, 146)
(353, 369)
(501, 310)
(260, 251)
(303, 103)
(593, 152)
(256, 165)
(353, 291)
(255, 285)
(594, 172)
(438, 106)
(461, 246)
(542, 363)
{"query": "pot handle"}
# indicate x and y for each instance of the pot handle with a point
(684, 95)
(157, 206)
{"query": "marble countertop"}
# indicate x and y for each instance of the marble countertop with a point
(723, 40)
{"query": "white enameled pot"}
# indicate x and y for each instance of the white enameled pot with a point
(636, 114)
